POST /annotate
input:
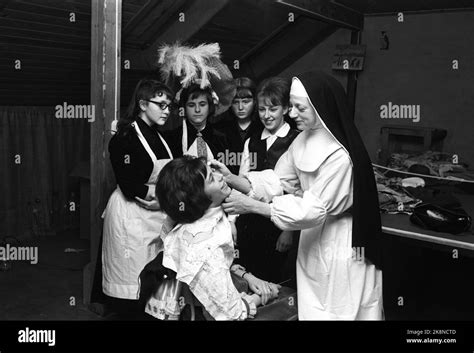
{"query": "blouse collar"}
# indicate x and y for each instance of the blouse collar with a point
(282, 131)
(207, 222)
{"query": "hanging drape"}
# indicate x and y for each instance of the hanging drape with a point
(38, 153)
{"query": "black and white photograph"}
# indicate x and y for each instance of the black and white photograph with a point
(296, 165)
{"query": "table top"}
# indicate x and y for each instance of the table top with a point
(400, 225)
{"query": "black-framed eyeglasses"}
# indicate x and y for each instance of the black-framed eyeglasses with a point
(162, 105)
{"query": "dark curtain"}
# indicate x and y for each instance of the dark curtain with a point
(38, 154)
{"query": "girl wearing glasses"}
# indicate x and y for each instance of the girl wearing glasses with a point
(132, 218)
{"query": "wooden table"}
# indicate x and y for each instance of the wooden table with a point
(400, 225)
(427, 275)
(283, 308)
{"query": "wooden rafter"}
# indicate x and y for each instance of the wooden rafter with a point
(328, 12)
(169, 29)
(138, 18)
(282, 47)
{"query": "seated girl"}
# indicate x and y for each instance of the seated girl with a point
(200, 249)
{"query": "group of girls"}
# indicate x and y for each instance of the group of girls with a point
(172, 205)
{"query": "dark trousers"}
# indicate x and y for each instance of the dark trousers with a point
(125, 309)
(256, 238)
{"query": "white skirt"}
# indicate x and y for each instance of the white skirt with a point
(131, 239)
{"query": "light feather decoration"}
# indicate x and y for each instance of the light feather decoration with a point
(189, 64)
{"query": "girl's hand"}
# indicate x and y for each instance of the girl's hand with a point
(220, 168)
(285, 240)
(265, 290)
(238, 203)
(152, 205)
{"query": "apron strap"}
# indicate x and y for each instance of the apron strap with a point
(166, 145)
(145, 143)
(147, 146)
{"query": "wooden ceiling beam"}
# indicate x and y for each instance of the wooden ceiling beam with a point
(40, 51)
(167, 17)
(283, 47)
(222, 37)
(150, 20)
(62, 10)
(85, 5)
(72, 76)
(44, 43)
(329, 12)
(197, 15)
(31, 58)
(47, 18)
(44, 26)
(138, 18)
(56, 36)
(33, 67)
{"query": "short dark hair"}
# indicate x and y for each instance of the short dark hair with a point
(276, 90)
(245, 88)
(180, 189)
(194, 91)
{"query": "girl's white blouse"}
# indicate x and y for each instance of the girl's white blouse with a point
(201, 254)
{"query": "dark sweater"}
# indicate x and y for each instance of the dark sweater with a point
(131, 163)
(237, 137)
(216, 140)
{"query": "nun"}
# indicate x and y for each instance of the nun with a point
(324, 186)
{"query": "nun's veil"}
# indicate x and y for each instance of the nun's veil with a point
(330, 100)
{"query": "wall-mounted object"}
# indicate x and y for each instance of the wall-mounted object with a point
(349, 57)
(384, 41)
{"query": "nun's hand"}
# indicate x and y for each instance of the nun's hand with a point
(220, 168)
(238, 203)
(152, 205)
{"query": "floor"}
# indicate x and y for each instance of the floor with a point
(50, 289)
(426, 283)
(433, 285)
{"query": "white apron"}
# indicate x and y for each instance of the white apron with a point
(130, 235)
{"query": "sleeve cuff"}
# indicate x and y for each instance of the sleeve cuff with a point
(249, 305)
(264, 185)
(237, 269)
(251, 193)
(232, 218)
(272, 212)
